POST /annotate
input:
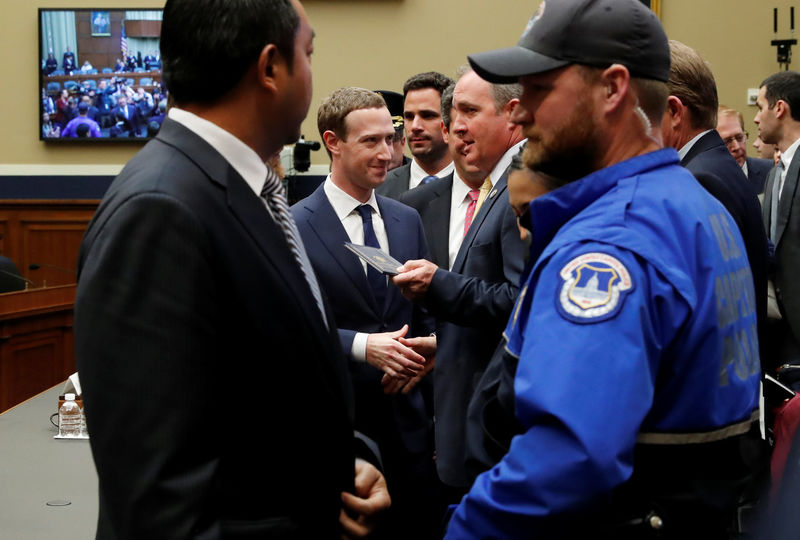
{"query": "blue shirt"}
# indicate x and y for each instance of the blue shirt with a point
(636, 324)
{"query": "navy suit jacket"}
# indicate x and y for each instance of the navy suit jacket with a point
(194, 326)
(757, 170)
(717, 171)
(432, 201)
(341, 275)
(472, 304)
(396, 182)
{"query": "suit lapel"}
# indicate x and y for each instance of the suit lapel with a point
(332, 236)
(250, 211)
(487, 207)
(787, 196)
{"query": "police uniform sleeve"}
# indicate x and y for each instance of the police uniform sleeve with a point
(592, 331)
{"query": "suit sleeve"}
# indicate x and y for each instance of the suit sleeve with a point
(146, 318)
(476, 301)
(423, 323)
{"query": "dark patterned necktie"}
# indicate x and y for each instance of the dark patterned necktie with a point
(776, 194)
(273, 194)
(377, 281)
(428, 179)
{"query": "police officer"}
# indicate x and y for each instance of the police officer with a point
(635, 330)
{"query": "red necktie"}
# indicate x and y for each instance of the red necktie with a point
(473, 201)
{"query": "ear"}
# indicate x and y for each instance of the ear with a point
(508, 111)
(445, 132)
(675, 111)
(269, 66)
(331, 142)
(616, 86)
(780, 109)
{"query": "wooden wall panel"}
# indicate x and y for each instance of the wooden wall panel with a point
(47, 233)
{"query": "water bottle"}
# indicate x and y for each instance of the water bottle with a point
(69, 418)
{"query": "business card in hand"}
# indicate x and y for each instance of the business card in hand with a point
(376, 258)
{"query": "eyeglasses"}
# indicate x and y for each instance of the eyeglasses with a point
(740, 138)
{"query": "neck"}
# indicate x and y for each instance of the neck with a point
(790, 135)
(435, 164)
(359, 193)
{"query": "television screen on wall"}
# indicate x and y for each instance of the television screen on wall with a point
(100, 75)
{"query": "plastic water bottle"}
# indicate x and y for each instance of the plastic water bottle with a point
(69, 418)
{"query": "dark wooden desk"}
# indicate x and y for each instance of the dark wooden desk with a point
(36, 341)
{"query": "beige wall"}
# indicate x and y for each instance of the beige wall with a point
(378, 43)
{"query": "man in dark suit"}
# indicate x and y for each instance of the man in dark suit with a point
(472, 301)
(688, 126)
(778, 122)
(198, 319)
(127, 116)
(730, 126)
(422, 119)
(357, 130)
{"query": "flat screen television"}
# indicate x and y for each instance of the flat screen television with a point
(100, 75)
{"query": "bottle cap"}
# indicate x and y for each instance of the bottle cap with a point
(69, 397)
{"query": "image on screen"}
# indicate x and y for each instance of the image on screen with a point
(100, 75)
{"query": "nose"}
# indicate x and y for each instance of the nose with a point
(385, 150)
(457, 124)
(416, 124)
(521, 116)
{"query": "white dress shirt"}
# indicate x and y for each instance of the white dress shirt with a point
(416, 174)
(344, 206)
(459, 201)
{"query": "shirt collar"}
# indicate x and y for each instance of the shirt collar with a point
(786, 157)
(552, 210)
(242, 158)
(342, 203)
(416, 173)
(505, 161)
(460, 188)
(688, 146)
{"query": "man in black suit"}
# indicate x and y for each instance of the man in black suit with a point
(730, 126)
(373, 317)
(688, 126)
(472, 301)
(422, 118)
(127, 117)
(778, 122)
(198, 319)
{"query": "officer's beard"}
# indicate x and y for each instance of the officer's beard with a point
(566, 152)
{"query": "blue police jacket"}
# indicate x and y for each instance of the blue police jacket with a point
(636, 324)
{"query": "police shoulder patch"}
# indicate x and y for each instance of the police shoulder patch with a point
(593, 287)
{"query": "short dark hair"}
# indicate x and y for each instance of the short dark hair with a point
(783, 86)
(447, 105)
(429, 79)
(208, 45)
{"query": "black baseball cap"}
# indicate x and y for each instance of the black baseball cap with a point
(590, 32)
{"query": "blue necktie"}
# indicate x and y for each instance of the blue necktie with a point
(428, 179)
(377, 281)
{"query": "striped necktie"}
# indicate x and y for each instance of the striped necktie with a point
(473, 201)
(776, 194)
(272, 192)
(486, 187)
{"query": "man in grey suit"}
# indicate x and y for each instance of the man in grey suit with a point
(472, 301)
(422, 118)
(778, 120)
(198, 319)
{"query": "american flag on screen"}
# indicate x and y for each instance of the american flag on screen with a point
(123, 42)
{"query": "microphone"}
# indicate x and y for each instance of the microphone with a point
(12, 274)
(34, 266)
